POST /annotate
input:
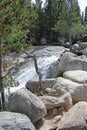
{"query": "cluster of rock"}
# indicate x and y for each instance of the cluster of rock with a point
(15, 121)
(63, 98)
(59, 96)
(80, 48)
(75, 118)
(70, 61)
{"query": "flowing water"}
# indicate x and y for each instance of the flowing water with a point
(27, 71)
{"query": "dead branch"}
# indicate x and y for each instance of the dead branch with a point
(36, 67)
(8, 71)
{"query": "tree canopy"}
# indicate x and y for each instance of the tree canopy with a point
(69, 24)
(23, 21)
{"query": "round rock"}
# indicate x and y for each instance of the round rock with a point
(15, 121)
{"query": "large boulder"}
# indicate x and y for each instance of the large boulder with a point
(70, 61)
(50, 92)
(15, 121)
(64, 85)
(84, 52)
(75, 47)
(67, 45)
(52, 102)
(34, 86)
(48, 51)
(68, 101)
(25, 102)
(78, 76)
(83, 45)
(78, 91)
(75, 118)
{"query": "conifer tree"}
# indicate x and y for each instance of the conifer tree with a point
(52, 10)
(69, 22)
(15, 20)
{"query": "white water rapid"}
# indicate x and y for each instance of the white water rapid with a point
(27, 71)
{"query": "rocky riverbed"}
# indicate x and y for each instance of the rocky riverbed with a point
(24, 69)
(15, 60)
(62, 103)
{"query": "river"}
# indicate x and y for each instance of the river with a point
(45, 58)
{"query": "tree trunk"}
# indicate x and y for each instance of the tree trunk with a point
(1, 79)
(70, 41)
(38, 71)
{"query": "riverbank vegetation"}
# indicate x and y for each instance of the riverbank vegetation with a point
(55, 21)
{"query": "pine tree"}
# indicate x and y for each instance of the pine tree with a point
(52, 10)
(14, 25)
(69, 20)
(40, 21)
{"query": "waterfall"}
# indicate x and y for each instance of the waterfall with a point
(27, 71)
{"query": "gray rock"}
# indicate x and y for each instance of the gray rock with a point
(52, 102)
(83, 45)
(84, 52)
(67, 98)
(49, 50)
(25, 102)
(43, 41)
(64, 85)
(75, 47)
(75, 118)
(67, 45)
(2, 128)
(15, 121)
(68, 101)
(50, 92)
(78, 91)
(70, 61)
(78, 76)
(33, 85)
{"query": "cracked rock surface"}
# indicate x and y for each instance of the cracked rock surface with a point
(75, 118)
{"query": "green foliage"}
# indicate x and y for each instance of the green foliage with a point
(9, 82)
(15, 25)
(85, 19)
(69, 22)
(7, 63)
(2, 110)
(17, 20)
(78, 30)
(29, 47)
(78, 52)
(51, 10)
(61, 40)
(60, 74)
(59, 90)
(24, 20)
